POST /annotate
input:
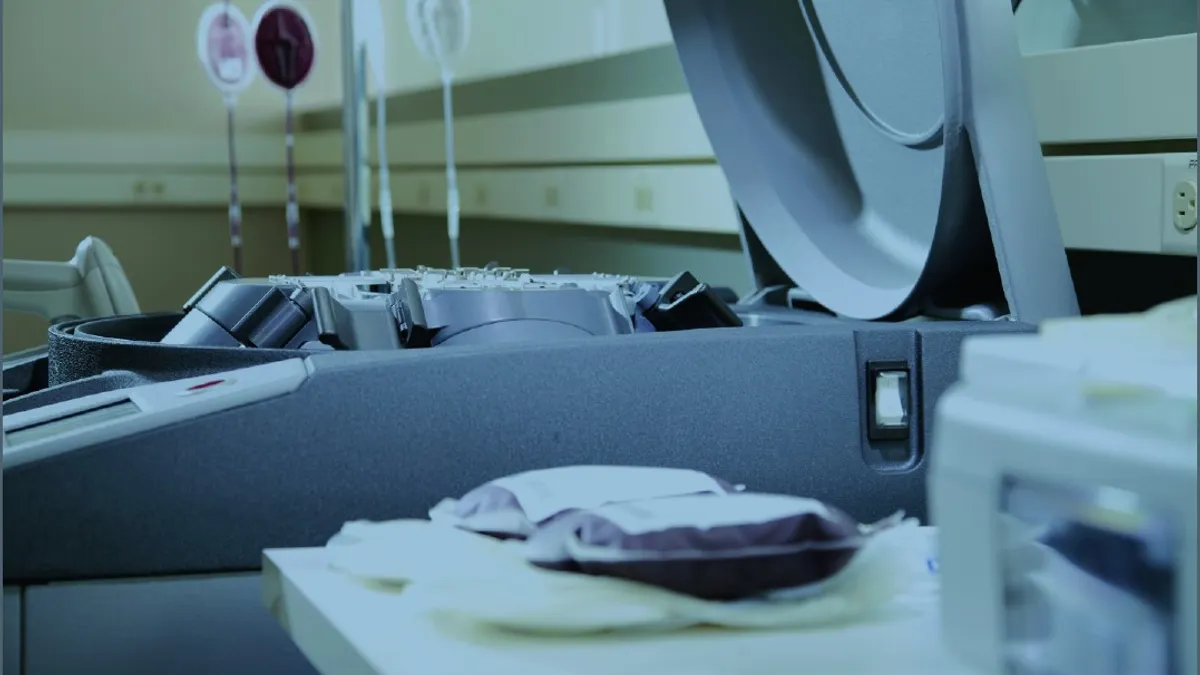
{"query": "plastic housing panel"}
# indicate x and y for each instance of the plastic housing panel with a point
(733, 402)
(884, 154)
(13, 637)
(1062, 415)
(847, 161)
(183, 626)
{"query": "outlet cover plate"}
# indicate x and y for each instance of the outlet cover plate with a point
(1176, 168)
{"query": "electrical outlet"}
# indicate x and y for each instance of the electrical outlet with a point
(1183, 206)
(1180, 211)
(551, 196)
(423, 196)
(481, 195)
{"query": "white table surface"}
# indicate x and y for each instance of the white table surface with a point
(347, 628)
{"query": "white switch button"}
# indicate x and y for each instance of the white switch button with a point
(891, 395)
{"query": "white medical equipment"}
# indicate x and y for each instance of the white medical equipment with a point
(223, 44)
(441, 30)
(1064, 486)
(368, 20)
(91, 284)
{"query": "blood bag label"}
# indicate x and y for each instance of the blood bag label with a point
(543, 494)
(223, 43)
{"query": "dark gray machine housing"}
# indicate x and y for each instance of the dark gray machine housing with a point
(382, 435)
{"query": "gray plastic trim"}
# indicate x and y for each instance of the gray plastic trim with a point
(146, 407)
(1026, 238)
(195, 625)
(845, 130)
(847, 211)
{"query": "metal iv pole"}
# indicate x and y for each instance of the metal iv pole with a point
(356, 168)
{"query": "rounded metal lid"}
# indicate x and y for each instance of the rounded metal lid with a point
(838, 124)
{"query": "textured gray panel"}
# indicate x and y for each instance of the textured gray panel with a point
(12, 631)
(386, 435)
(196, 626)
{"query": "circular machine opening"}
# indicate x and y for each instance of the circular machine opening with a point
(827, 117)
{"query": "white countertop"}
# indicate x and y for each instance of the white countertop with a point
(345, 627)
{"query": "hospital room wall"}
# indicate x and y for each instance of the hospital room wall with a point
(128, 66)
(134, 61)
(134, 64)
(131, 66)
(96, 68)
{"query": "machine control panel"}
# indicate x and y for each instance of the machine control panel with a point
(62, 427)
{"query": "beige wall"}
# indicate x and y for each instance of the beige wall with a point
(131, 65)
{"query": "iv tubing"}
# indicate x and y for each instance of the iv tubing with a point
(385, 181)
(292, 210)
(235, 203)
(452, 203)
